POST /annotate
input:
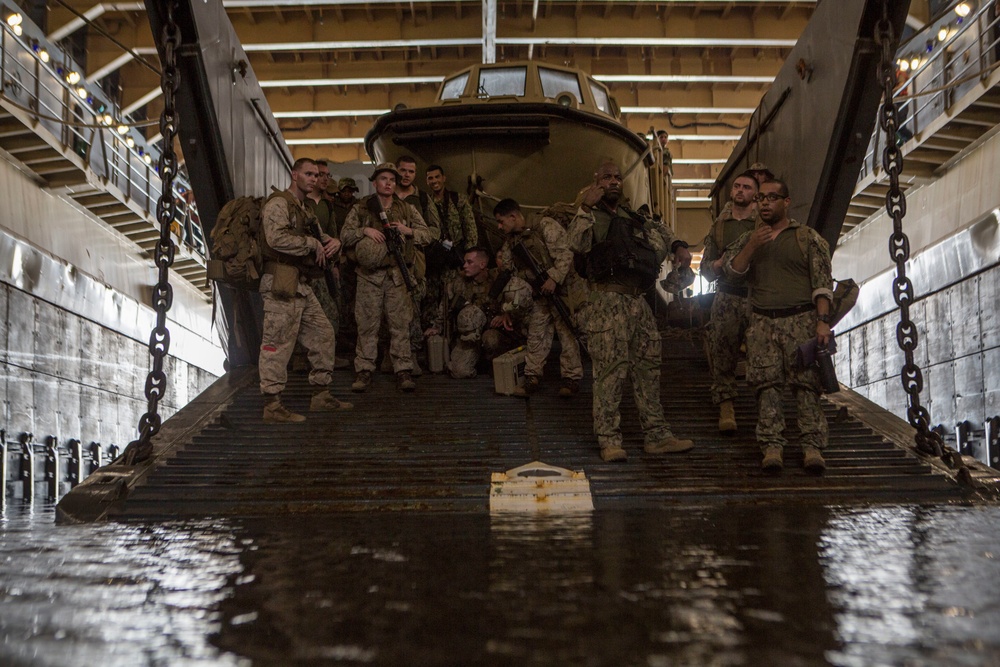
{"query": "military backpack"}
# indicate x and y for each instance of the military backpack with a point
(237, 256)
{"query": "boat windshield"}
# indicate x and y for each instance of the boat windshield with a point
(556, 81)
(600, 97)
(502, 81)
(454, 87)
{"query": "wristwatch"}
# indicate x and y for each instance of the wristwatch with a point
(824, 318)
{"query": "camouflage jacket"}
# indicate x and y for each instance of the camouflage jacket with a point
(515, 298)
(547, 242)
(457, 219)
(587, 225)
(360, 217)
(725, 230)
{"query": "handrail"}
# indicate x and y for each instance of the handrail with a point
(942, 77)
(41, 80)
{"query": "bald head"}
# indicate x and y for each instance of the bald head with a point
(609, 178)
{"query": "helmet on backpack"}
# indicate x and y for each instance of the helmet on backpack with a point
(371, 254)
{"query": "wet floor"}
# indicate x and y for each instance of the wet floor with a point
(767, 585)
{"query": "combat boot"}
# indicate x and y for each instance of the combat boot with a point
(813, 460)
(613, 454)
(531, 385)
(416, 371)
(362, 381)
(727, 417)
(405, 382)
(569, 387)
(772, 462)
(276, 413)
(324, 400)
(669, 445)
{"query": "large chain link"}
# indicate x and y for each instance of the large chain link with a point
(166, 210)
(927, 441)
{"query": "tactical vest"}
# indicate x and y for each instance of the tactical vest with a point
(535, 244)
(303, 223)
(396, 211)
(625, 256)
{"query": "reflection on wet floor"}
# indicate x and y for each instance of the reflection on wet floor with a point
(762, 585)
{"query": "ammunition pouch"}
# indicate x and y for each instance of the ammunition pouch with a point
(625, 256)
(285, 279)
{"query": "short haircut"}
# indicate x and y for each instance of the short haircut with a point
(406, 158)
(782, 186)
(749, 174)
(435, 167)
(321, 163)
(660, 133)
(301, 161)
(506, 207)
(479, 251)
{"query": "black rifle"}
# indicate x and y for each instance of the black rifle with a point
(331, 281)
(393, 241)
(522, 254)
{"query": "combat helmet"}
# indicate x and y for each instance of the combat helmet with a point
(371, 254)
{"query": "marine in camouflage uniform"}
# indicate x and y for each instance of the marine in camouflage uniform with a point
(343, 201)
(546, 241)
(296, 316)
(322, 209)
(489, 316)
(623, 340)
(787, 267)
(730, 308)
(381, 287)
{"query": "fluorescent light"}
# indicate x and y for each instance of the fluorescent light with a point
(324, 141)
(681, 78)
(701, 199)
(691, 110)
(705, 137)
(333, 113)
(700, 160)
(357, 81)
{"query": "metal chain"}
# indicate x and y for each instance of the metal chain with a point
(927, 441)
(166, 209)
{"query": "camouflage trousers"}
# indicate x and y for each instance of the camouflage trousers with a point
(623, 342)
(347, 334)
(382, 292)
(302, 319)
(771, 365)
(543, 322)
(472, 345)
(327, 302)
(728, 328)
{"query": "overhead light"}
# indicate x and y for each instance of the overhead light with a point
(903, 64)
(82, 92)
(73, 78)
(130, 142)
(123, 129)
(44, 56)
(963, 9)
(16, 19)
(147, 159)
(915, 62)
(108, 120)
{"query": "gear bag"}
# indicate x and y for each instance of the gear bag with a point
(846, 292)
(237, 258)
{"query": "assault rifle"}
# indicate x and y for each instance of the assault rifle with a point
(331, 281)
(524, 256)
(393, 241)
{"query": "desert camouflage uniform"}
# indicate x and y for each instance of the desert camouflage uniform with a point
(381, 290)
(297, 318)
(348, 331)
(458, 225)
(323, 210)
(547, 242)
(473, 336)
(781, 276)
(730, 308)
(622, 338)
(429, 214)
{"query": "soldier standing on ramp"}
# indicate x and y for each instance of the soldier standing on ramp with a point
(291, 310)
(624, 251)
(730, 309)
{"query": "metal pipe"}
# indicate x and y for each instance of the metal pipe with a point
(27, 460)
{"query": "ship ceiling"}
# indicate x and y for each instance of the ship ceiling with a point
(328, 68)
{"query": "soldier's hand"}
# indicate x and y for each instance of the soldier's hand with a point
(592, 195)
(717, 265)
(431, 331)
(331, 246)
(761, 236)
(403, 229)
(504, 321)
(823, 334)
(548, 287)
(320, 253)
(683, 256)
(374, 234)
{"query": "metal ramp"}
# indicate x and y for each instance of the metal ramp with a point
(435, 450)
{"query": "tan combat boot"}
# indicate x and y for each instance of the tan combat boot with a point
(405, 382)
(727, 417)
(669, 445)
(324, 400)
(276, 413)
(772, 461)
(613, 454)
(362, 381)
(813, 461)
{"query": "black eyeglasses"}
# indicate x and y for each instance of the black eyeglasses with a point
(771, 196)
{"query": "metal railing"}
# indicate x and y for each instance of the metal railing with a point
(940, 71)
(41, 81)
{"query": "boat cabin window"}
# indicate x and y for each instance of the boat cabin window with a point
(600, 97)
(454, 87)
(501, 81)
(556, 81)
